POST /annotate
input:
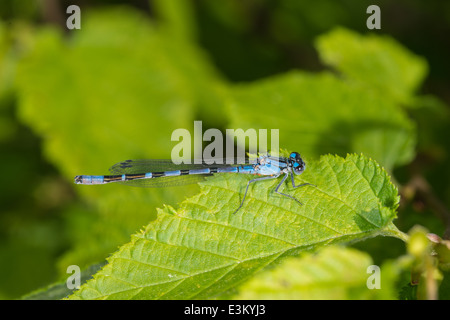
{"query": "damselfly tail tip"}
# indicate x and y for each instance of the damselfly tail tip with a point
(78, 179)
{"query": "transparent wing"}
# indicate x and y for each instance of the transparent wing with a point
(152, 165)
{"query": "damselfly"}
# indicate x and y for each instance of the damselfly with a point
(164, 173)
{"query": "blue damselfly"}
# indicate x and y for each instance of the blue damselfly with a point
(164, 173)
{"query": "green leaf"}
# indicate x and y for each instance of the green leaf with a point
(201, 250)
(379, 61)
(320, 113)
(333, 273)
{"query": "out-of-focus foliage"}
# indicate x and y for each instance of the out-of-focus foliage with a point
(333, 273)
(331, 116)
(75, 102)
(380, 63)
(101, 98)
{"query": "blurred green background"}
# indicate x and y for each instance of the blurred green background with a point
(77, 101)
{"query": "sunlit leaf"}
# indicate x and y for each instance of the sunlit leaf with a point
(202, 249)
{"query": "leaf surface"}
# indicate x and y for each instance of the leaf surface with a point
(201, 250)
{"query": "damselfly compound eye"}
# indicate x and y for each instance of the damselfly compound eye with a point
(297, 163)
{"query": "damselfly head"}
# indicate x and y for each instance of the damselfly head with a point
(296, 162)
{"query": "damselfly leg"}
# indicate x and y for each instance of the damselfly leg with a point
(248, 184)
